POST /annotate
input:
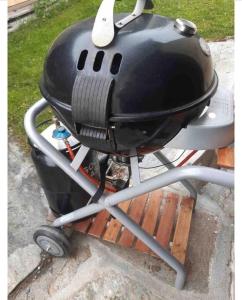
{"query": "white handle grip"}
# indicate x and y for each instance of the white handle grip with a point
(103, 30)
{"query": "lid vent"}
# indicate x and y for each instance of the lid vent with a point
(117, 59)
(98, 61)
(82, 60)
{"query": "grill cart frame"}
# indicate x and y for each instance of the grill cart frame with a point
(110, 201)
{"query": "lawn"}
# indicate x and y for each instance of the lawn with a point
(28, 46)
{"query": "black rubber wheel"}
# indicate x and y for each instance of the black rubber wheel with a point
(52, 240)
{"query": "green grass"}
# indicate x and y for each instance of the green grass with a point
(28, 46)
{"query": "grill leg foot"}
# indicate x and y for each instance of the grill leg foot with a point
(180, 280)
(152, 244)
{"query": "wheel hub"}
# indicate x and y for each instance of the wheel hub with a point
(50, 246)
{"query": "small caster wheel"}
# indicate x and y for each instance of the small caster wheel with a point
(52, 240)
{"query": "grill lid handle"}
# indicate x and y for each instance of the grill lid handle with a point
(103, 31)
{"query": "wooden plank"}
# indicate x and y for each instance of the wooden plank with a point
(136, 212)
(149, 207)
(180, 241)
(15, 2)
(21, 5)
(20, 10)
(82, 226)
(114, 227)
(225, 158)
(150, 219)
(99, 224)
(167, 220)
(50, 216)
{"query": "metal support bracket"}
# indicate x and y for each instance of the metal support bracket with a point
(79, 158)
(138, 10)
(103, 31)
(134, 167)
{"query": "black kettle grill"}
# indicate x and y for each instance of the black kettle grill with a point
(127, 82)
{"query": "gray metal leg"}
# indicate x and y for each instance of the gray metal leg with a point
(189, 172)
(78, 214)
(135, 168)
(152, 244)
(162, 158)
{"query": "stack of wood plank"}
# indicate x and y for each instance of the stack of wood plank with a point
(20, 8)
(165, 216)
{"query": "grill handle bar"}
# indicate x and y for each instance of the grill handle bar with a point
(172, 176)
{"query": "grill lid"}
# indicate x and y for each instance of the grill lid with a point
(132, 69)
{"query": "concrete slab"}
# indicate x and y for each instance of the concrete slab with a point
(223, 59)
(22, 262)
(27, 206)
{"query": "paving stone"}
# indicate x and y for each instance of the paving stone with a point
(20, 263)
